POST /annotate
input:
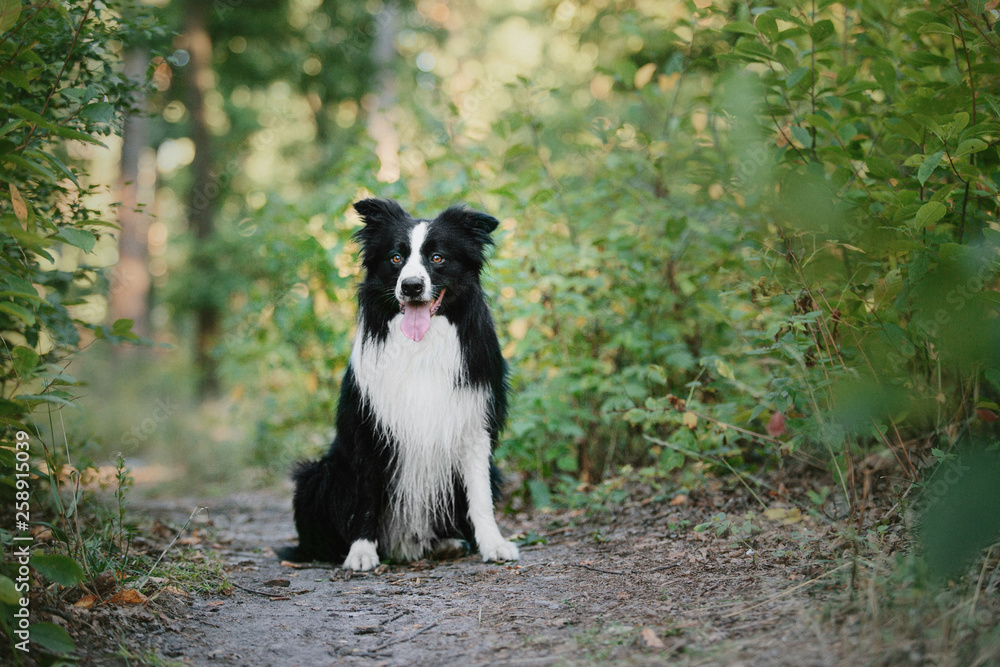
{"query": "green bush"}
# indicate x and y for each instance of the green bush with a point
(61, 94)
(764, 229)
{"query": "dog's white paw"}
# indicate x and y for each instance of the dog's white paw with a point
(499, 550)
(363, 556)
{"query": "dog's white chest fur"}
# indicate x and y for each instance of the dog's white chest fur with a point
(434, 419)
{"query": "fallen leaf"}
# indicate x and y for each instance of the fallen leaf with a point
(283, 583)
(86, 602)
(784, 514)
(215, 603)
(41, 533)
(128, 596)
(690, 420)
(650, 639)
(679, 499)
(174, 590)
(776, 425)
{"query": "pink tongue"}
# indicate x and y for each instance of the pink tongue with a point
(416, 320)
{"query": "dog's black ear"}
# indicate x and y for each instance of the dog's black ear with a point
(479, 223)
(379, 211)
(483, 221)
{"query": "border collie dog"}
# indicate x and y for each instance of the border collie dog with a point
(421, 405)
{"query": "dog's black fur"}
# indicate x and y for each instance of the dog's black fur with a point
(348, 494)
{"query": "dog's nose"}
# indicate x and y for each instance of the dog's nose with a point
(412, 287)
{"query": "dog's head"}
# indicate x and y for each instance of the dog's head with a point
(424, 264)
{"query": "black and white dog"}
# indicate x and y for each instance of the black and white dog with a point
(421, 405)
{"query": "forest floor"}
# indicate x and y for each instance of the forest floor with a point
(627, 583)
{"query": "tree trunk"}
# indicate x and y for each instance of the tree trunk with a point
(380, 125)
(130, 280)
(204, 191)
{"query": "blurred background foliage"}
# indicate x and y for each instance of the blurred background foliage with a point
(734, 235)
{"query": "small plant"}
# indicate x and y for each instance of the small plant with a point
(722, 525)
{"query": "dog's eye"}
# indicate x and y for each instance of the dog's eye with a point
(396, 258)
(436, 258)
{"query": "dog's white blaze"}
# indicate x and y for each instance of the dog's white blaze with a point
(414, 266)
(438, 425)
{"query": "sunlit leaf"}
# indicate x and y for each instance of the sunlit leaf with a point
(10, 10)
(929, 165)
(930, 213)
(80, 238)
(8, 591)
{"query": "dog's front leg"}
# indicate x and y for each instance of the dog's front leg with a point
(363, 526)
(476, 479)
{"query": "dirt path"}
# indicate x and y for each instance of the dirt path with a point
(631, 585)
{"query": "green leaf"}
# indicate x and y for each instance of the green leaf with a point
(930, 213)
(567, 463)
(25, 361)
(970, 146)
(847, 132)
(17, 77)
(80, 238)
(52, 638)
(885, 73)
(846, 74)
(31, 165)
(929, 123)
(795, 76)
(958, 123)
(939, 28)
(927, 168)
(977, 7)
(10, 10)
(55, 162)
(63, 570)
(671, 459)
(101, 112)
(767, 26)
(56, 397)
(8, 591)
(802, 135)
(751, 49)
(741, 27)
(18, 311)
(10, 127)
(925, 59)
(59, 130)
(879, 167)
(818, 121)
(821, 30)
(122, 327)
